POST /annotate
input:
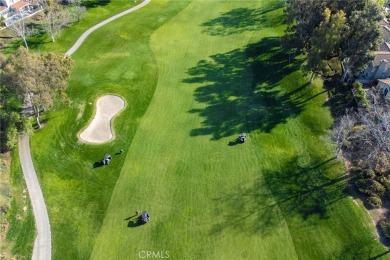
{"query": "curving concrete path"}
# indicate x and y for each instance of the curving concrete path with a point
(42, 245)
(90, 30)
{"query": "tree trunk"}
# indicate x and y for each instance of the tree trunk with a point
(25, 42)
(346, 70)
(312, 77)
(52, 38)
(37, 116)
(337, 152)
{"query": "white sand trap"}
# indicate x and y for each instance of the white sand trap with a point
(100, 129)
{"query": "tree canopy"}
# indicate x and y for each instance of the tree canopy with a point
(38, 78)
(348, 30)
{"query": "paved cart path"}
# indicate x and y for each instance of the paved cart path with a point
(42, 245)
(90, 30)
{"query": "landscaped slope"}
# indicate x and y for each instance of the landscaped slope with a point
(221, 71)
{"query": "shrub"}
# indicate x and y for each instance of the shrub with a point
(370, 187)
(360, 94)
(384, 225)
(374, 202)
(369, 174)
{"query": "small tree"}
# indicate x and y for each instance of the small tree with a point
(21, 29)
(78, 11)
(55, 17)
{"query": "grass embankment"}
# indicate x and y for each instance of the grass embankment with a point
(218, 70)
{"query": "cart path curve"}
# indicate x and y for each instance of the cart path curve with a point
(90, 30)
(42, 244)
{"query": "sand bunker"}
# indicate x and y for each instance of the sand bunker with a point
(100, 129)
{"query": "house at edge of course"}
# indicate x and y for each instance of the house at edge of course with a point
(384, 87)
(379, 68)
(15, 10)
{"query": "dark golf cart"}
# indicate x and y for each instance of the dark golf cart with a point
(241, 138)
(145, 217)
(106, 160)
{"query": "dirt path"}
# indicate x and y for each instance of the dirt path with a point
(42, 245)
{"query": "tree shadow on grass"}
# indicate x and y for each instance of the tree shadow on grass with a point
(363, 249)
(244, 19)
(97, 164)
(134, 223)
(240, 90)
(95, 3)
(299, 189)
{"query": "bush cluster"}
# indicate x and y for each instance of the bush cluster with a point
(384, 225)
(374, 185)
(360, 94)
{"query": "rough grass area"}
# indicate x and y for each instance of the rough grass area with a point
(17, 222)
(195, 74)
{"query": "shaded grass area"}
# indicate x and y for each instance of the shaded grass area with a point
(240, 90)
(244, 19)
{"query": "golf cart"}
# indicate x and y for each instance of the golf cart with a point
(106, 160)
(241, 138)
(145, 217)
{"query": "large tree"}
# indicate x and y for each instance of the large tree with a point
(362, 38)
(39, 78)
(11, 122)
(310, 27)
(325, 41)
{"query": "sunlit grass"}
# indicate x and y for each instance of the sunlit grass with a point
(194, 75)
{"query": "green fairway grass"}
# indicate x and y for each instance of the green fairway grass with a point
(195, 74)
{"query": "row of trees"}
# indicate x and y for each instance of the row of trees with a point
(347, 31)
(364, 136)
(35, 79)
(53, 18)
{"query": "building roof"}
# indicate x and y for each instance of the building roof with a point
(385, 45)
(386, 81)
(379, 56)
(19, 5)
